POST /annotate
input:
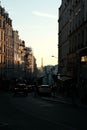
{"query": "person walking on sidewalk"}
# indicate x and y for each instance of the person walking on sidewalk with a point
(73, 93)
(53, 91)
(35, 89)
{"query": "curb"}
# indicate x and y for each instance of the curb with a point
(65, 102)
(56, 100)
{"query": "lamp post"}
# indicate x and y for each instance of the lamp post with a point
(55, 76)
(57, 61)
(54, 56)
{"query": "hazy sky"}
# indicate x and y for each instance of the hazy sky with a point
(37, 23)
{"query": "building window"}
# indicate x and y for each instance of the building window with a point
(0, 45)
(3, 48)
(86, 34)
(0, 58)
(84, 59)
(2, 36)
(4, 59)
(0, 23)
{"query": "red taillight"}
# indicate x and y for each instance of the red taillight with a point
(25, 88)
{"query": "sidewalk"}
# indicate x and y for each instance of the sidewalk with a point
(67, 100)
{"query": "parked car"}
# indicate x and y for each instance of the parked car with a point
(44, 90)
(30, 88)
(20, 87)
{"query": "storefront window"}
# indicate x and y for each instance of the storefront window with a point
(84, 59)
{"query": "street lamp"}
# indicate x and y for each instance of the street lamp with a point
(54, 56)
(57, 61)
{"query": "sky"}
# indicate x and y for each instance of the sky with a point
(37, 24)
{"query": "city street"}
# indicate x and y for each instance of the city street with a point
(32, 113)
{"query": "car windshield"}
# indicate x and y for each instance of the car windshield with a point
(21, 81)
(45, 86)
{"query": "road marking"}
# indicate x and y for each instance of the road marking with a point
(62, 125)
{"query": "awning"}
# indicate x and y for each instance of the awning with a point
(64, 78)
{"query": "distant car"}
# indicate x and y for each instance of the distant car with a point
(20, 87)
(44, 90)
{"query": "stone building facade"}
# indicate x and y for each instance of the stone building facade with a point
(12, 50)
(72, 45)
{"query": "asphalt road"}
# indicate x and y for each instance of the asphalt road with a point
(33, 113)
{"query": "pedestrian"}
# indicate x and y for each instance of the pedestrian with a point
(53, 91)
(73, 93)
(35, 89)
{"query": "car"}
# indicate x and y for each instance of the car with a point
(20, 87)
(30, 88)
(44, 90)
